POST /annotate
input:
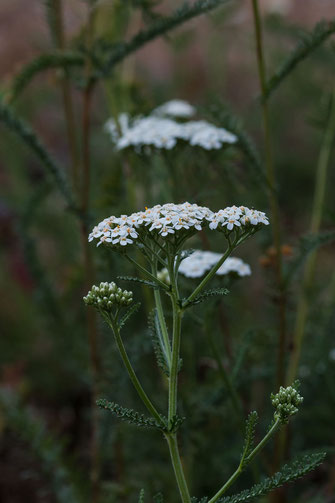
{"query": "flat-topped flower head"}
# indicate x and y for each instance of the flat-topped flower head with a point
(160, 130)
(169, 222)
(201, 261)
(107, 296)
(175, 108)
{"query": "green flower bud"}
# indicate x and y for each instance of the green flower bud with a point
(286, 402)
(108, 295)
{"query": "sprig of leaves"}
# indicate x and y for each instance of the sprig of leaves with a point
(207, 294)
(157, 342)
(309, 42)
(289, 472)
(249, 435)
(131, 416)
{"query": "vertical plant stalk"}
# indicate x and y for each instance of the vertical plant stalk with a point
(88, 261)
(319, 197)
(171, 437)
(273, 200)
(67, 98)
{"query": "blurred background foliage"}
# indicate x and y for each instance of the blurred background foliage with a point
(46, 359)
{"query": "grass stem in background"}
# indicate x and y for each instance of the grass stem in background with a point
(273, 199)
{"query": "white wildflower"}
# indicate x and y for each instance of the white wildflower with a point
(169, 219)
(200, 262)
(175, 108)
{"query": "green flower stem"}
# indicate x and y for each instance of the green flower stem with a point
(142, 394)
(246, 461)
(208, 277)
(319, 196)
(173, 380)
(178, 468)
(161, 319)
(273, 200)
(173, 386)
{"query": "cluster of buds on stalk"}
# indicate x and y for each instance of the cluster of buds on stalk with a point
(108, 295)
(286, 403)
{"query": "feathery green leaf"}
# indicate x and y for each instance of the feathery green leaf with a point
(141, 496)
(152, 284)
(251, 423)
(63, 60)
(29, 137)
(157, 342)
(208, 294)
(130, 415)
(290, 472)
(158, 28)
(309, 42)
(129, 313)
(306, 246)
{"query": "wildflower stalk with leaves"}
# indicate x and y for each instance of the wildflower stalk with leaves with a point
(160, 234)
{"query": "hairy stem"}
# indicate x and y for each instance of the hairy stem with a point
(178, 468)
(273, 200)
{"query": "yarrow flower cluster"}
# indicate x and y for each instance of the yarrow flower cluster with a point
(286, 403)
(107, 295)
(159, 130)
(175, 108)
(197, 264)
(171, 220)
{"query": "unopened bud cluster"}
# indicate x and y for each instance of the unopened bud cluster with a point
(286, 403)
(107, 295)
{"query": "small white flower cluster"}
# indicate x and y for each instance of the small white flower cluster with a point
(286, 403)
(169, 219)
(160, 131)
(197, 264)
(175, 108)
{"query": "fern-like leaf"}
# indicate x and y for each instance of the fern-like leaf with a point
(29, 137)
(175, 423)
(224, 117)
(158, 498)
(141, 496)
(64, 60)
(130, 415)
(207, 294)
(249, 435)
(307, 245)
(152, 284)
(129, 313)
(157, 342)
(158, 28)
(309, 42)
(290, 472)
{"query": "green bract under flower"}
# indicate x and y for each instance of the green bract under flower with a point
(169, 221)
(108, 295)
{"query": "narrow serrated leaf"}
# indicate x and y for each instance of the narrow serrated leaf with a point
(289, 472)
(128, 314)
(157, 342)
(208, 294)
(130, 415)
(250, 427)
(139, 280)
(141, 496)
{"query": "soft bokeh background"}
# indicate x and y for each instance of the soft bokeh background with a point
(45, 364)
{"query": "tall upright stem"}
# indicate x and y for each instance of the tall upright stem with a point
(67, 98)
(88, 262)
(171, 437)
(273, 200)
(319, 196)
